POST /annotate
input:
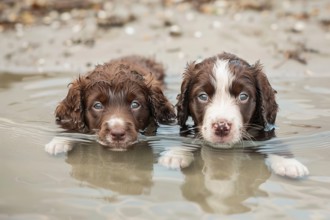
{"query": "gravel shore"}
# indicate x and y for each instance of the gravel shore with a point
(291, 38)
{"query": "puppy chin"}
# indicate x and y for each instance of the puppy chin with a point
(116, 146)
(227, 142)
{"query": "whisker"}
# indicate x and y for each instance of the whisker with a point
(247, 136)
(253, 126)
(188, 130)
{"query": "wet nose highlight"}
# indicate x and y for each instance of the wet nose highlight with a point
(222, 128)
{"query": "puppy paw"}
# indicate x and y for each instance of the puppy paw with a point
(58, 145)
(289, 167)
(176, 159)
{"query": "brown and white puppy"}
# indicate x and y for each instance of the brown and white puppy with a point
(116, 101)
(230, 100)
(226, 97)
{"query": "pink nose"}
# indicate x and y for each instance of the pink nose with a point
(222, 128)
(117, 134)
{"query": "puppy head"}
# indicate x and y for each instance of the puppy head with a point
(116, 103)
(225, 96)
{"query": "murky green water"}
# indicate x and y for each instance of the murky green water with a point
(93, 183)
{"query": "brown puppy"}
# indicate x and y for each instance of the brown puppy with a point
(116, 101)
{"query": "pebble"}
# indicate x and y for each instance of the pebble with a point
(216, 24)
(66, 16)
(102, 14)
(129, 30)
(198, 34)
(299, 26)
(76, 28)
(175, 31)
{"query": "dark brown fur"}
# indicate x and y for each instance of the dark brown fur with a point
(116, 84)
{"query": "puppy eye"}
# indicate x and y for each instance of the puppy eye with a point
(135, 105)
(98, 105)
(203, 97)
(243, 97)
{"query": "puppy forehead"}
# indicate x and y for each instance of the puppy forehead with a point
(222, 77)
(120, 86)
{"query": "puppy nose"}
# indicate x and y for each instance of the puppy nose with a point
(222, 128)
(117, 134)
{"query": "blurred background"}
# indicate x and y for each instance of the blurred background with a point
(62, 35)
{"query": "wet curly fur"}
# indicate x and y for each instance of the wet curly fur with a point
(116, 85)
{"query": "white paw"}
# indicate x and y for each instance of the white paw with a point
(176, 159)
(58, 145)
(289, 167)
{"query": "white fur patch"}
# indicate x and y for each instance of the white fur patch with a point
(176, 159)
(283, 166)
(59, 145)
(223, 107)
(114, 121)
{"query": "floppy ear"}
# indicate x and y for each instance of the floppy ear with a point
(267, 108)
(70, 112)
(163, 111)
(182, 105)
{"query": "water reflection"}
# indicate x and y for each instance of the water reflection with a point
(220, 180)
(127, 172)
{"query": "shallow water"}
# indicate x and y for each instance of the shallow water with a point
(94, 183)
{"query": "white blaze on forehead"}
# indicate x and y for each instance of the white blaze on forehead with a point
(222, 76)
(223, 80)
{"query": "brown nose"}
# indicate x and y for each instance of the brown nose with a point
(117, 134)
(221, 128)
